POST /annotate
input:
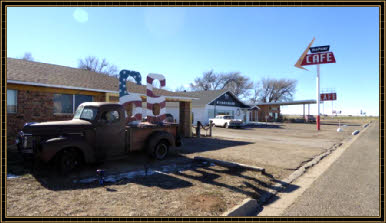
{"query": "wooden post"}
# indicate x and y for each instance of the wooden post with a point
(198, 132)
(185, 119)
(210, 128)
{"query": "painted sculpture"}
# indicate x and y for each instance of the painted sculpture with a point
(125, 98)
(153, 99)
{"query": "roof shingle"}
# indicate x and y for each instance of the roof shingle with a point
(50, 74)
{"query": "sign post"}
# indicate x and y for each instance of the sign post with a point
(318, 96)
(319, 55)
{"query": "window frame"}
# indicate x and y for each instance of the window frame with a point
(73, 103)
(16, 93)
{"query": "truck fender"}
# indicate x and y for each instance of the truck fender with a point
(157, 136)
(53, 146)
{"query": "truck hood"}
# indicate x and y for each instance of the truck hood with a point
(57, 127)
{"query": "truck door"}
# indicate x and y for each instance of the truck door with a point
(110, 133)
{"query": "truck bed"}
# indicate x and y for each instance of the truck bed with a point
(138, 134)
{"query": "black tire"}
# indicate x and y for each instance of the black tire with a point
(159, 143)
(226, 125)
(68, 161)
(161, 150)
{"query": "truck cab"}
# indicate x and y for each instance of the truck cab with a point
(97, 132)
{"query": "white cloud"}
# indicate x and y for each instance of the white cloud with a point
(80, 15)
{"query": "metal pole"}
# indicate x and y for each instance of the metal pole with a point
(318, 95)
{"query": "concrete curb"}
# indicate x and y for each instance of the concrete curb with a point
(249, 207)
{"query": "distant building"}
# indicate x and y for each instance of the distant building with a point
(270, 111)
(212, 103)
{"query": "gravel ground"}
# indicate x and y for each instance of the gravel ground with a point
(200, 191)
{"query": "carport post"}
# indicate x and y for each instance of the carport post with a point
(304, 111)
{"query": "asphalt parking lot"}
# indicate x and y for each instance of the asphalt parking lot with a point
(186, 187)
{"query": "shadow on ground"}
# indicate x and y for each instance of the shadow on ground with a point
(205, 173)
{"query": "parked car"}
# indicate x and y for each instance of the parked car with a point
(97, 132)
(226, 121)
(310, 118)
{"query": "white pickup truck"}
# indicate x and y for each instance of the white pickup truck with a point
(226, 121)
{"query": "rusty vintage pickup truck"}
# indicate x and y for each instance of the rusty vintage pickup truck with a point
(97, 132)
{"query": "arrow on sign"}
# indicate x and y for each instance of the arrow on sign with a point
(300, 60)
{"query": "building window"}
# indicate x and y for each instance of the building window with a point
(79, 99)
(67, 103)
(11, 101)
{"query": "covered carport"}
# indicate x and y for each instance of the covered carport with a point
(266, 108)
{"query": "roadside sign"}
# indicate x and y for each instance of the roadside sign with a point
(320, 55)
(319, 49)
(318, 58)
(298, 63)
(328, 96)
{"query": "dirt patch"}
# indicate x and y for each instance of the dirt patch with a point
(207, 202)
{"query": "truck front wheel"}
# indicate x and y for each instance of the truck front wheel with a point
(68, 160)
(161, 150)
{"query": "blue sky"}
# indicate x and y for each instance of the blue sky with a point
(184, 42)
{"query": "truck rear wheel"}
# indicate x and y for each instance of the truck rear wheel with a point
(161, 150)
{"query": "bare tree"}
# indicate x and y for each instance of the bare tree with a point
(238, 84)
(92, 63)
(208, 81)
(27, 56)
(255, 93)
(233, 81)
(277, 90)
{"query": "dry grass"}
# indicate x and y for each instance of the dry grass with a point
(201, 191)
(206, 191)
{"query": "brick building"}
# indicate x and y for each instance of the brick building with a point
(39, 92)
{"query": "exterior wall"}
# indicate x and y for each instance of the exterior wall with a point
(37, 105)
(266, 109)
(175, 112)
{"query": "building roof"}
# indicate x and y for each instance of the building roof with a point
(206, 97)
(43, 74)
(288, 102)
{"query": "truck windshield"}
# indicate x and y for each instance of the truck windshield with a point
(228, 117)
(86, 113)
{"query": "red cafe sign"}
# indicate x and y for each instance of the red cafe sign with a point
(318, 58)
(328, 96)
